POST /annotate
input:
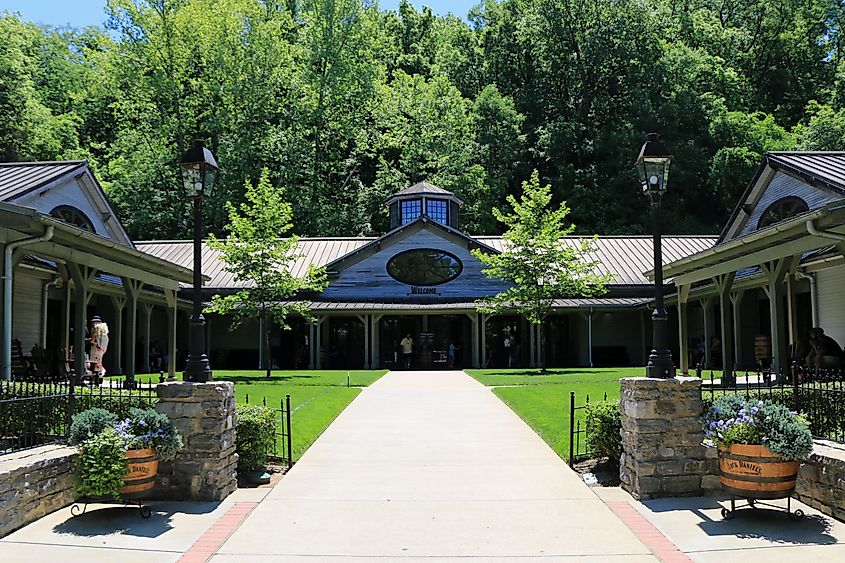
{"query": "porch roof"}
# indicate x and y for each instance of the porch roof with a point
(791, 237)
(72, 244)
(583, 304)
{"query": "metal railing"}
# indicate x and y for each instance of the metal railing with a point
(33, 414)
(816, 394)
(578, 430)
(282, 442)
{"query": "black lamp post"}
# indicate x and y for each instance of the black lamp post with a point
(653, 167)
(199, 171)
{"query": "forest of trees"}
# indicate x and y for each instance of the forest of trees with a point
(346, 103)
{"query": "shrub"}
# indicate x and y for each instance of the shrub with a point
(603, 426)
(101, 465)
(734, 420)
(255, 437)
(87, 424)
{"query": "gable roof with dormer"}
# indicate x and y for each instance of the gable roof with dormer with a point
(816, 178)
(44, 186)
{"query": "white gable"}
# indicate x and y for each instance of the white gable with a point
(367, 278)
(82, 193)
(771, 187)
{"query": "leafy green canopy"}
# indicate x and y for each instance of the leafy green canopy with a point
(536, 257)
(258, 257)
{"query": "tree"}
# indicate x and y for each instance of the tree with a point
(256, 255)
(537, 258)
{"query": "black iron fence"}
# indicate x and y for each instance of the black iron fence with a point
(578, 447)
(282, 442)
(33, 414)
(816, 394)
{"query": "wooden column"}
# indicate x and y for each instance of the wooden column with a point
(318, 361)
(532, 342)
(683, 329)
(791, 316)
(473, 317)
(590, 338)
(365, 321)
(145, 359)
(311, 345)
(708, 332)
(116, 339)
(483, 329)
(131, 288)
(375, 354)
(775, 272)
(736, 304)
(81, 276)
(724, 283)
(261, 358)
(66, 320)
(172, 315)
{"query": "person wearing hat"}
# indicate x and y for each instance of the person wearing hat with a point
(99, 344)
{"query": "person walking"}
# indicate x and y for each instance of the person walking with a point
(99, 344)
(407, 346)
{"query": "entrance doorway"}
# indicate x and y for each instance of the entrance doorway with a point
(433, 335)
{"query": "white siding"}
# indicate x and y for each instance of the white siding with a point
(831, 297)
(26, 309)
(783, 185)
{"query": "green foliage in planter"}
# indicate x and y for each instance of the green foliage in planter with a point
(101, 465)
(732, 419)
(255, 437)
(146, 428)
(87, 424)
(603, 426)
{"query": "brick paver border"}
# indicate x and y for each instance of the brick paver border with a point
(215, 536)
(645, 531)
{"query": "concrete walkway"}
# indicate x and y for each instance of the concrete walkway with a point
(431, 465)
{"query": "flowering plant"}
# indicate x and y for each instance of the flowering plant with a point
(734, 419)
(145, 428)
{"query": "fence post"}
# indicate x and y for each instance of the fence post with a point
(571, 427)
(290, 433)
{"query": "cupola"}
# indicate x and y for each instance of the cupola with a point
(424, 199)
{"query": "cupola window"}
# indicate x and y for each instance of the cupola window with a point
(411, 210)
(437, 210)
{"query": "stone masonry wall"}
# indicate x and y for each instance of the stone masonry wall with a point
(34, 483)
(821, 480)
(662, 434)
(204, 413)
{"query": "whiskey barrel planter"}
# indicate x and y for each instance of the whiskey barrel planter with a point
(754, 472)
(141, 473)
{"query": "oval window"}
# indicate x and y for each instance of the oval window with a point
(424, 266)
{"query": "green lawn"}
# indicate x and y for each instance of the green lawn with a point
(316, 397)
(542, 399)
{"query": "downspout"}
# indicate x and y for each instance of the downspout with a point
(814, 304)
(44, 297)
(811, 228)
(8, 280)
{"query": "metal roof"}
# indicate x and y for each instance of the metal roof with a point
(316, 251)
(627, 258)
(826, 167)
(624, 257)
(424, 188)
(585, 303)
(19, 178)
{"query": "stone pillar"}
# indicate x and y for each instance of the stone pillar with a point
(662, 453)
(204, 413)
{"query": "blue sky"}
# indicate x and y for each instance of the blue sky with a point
(80, 13)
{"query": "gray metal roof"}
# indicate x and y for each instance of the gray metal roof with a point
(316, 251)
(585, 303)
(624, 257)
(826, 167)
(19, 178)
(424, 188)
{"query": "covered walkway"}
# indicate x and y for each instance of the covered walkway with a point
(430, 465)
